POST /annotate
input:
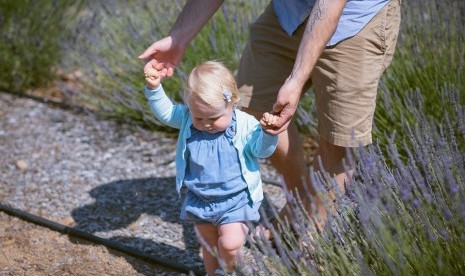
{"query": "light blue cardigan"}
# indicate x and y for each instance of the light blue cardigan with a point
(250, 141)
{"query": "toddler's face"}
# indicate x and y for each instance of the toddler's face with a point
(207, 118)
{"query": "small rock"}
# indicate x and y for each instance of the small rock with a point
(136, 224)
(68, 221)
(21, 164)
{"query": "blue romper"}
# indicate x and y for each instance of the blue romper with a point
(217, 192)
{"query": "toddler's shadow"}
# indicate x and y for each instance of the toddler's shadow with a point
(138, 211)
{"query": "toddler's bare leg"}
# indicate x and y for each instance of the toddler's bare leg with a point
(231, 242)
(209, 237)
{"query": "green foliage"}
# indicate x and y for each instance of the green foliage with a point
(118, 31)
(403, 218)
(429, 63)
(30, 34)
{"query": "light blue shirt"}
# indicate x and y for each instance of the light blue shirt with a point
(213, 166)
(356, 14)
(250, 141)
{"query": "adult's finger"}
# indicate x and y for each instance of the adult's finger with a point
(283, 118)
(151, 50)
(275, 130)
(170, 72)
(167, 68)
(160, 64)
(163, 72)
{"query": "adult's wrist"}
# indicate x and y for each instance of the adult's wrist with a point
(180, 40)
(297, 81)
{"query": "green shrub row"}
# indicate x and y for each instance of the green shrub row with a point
(30, 36)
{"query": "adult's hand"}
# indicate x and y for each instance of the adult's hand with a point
(285, 106)
(163, 55)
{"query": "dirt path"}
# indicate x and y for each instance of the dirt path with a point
(27, 249)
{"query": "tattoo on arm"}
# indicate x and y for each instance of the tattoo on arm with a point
(321, 24)
(317, 13)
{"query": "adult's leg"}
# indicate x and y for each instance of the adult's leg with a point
(231, 242)
(209, 241)
(345, 81)
(332, 159)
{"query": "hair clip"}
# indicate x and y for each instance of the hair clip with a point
(227, 95)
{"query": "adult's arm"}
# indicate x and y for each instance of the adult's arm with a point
(166, 53)
(321, 25)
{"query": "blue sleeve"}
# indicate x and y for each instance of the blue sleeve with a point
(261, 143)
(163, 108)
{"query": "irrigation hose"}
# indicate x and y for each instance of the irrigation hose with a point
(166, 264)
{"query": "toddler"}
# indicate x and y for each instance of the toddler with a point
(216, 159)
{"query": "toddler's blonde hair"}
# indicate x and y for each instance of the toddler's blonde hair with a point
(208, 82)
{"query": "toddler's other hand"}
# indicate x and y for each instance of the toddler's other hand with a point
(152, 78)
(268, 120)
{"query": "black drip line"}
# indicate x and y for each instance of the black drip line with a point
(166, 264)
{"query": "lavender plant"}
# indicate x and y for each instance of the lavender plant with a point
(429, 61)
(406, 218)
(30, 35)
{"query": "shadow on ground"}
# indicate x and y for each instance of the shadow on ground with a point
(121, 204)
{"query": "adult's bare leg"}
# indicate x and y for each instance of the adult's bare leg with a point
(289, 161)
(333, 159)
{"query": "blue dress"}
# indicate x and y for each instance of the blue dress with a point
(217, 192)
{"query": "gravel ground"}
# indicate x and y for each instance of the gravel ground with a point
(111, 180)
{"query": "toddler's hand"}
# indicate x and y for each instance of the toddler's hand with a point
(152, 78)
(268, 120)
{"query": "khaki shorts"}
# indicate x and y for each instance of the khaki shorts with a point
(345, 78)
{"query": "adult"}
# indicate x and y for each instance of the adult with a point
(341, 47)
